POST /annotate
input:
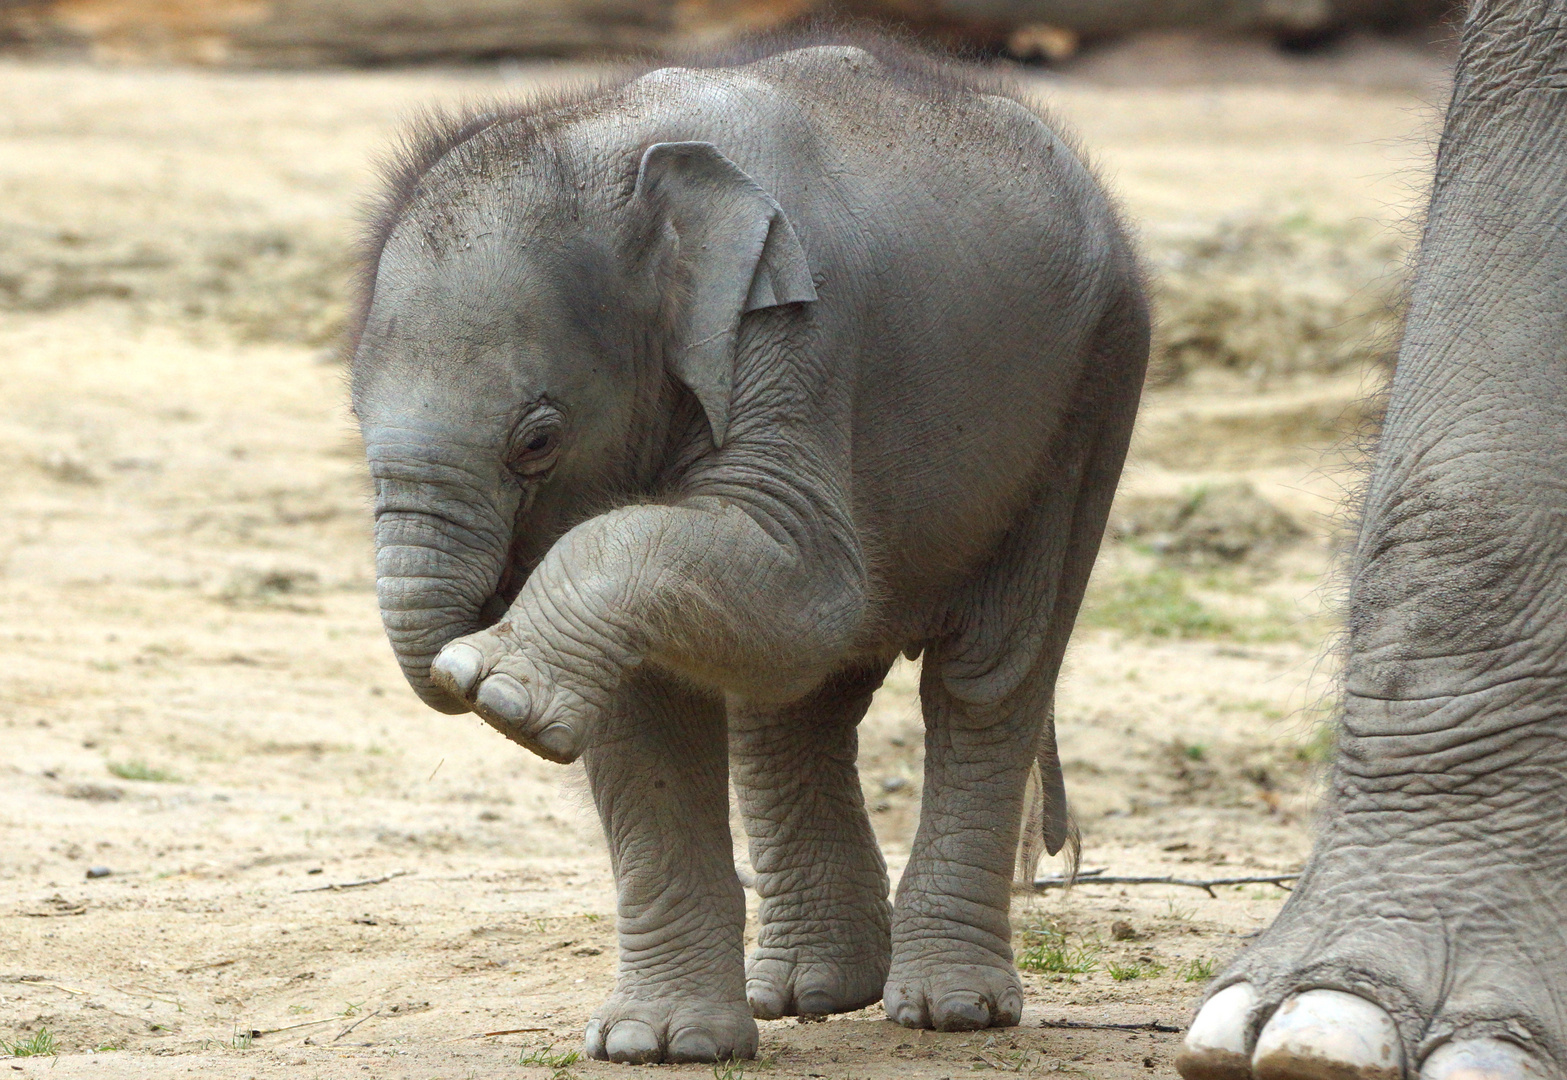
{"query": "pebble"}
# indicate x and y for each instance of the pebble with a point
(98, 872)
(889, 784)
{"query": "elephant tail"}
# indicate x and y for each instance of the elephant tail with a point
(1048, 824)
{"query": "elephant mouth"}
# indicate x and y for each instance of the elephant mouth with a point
(505, 594)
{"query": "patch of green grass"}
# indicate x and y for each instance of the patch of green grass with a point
(1004, 1060)
(140, 770)
(1194, 751)
(547, 1058)
(1319, 746)
(1280, 622)
(1161, 604)
(242, 1040)
(1142, 969)
(1155, 604)
(1263, 709)
(351, 1008)
(1046, 949)
(40, 1043)
(1199, 970)
(729, 1070)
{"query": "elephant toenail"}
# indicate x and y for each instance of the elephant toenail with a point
(558, 743)
(961, 1010)
(503, 699)
(593, 1039)
(1215, 1046)
(632, 1042)
(1009, 1009)
(692, 1044)
(1481, 1059)
(1328, 1033)
(902, 1009)
(456, 669)
(815, 1003)
(765, 1000)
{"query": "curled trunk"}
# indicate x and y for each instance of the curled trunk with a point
(431, 594)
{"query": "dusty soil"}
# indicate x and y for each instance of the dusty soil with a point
(195, 694)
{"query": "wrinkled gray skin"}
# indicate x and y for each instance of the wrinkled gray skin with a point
(718, 391)
(1437, 890)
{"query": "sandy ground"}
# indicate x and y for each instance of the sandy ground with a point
(195, 694)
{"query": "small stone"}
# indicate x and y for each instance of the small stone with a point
(98, 872)
(1121, 930)
(889, 784)
(95, 792)
(587, 950)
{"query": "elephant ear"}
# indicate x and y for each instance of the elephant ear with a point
(739, 253)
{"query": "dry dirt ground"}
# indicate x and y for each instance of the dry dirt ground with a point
(195, 694)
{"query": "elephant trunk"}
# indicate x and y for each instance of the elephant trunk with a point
(435, 582)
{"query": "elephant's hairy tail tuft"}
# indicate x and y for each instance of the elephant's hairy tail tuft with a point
(1048, 826)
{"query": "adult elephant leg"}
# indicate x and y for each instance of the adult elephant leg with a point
(1428, 936)
(659, 775)
(823, 946)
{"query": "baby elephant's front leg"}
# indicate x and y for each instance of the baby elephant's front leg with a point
(659, 775)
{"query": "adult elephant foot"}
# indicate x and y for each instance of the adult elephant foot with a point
(933, 988)
(1442, 960)
(647, 1031)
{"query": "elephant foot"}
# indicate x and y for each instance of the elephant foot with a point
(779, 982)
(930, 988)
(1395, 960)
(494, 673)
(647, 1031)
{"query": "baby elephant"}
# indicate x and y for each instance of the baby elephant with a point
(690, 404)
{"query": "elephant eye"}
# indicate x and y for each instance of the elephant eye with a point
(537, 453)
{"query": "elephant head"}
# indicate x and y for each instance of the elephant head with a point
(539, 341)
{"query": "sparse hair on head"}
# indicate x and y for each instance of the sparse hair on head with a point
(433, 134)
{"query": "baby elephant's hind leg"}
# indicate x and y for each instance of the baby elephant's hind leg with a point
(660, 778)
(823, 946)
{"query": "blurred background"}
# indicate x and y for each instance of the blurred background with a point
(203, 727)
(310, 32)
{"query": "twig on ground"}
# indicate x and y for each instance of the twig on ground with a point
(355, 1024)
(206, 967)
(1151, 1025)
(25, 981)
(382, 880)
(290, 1027)
(141, 993)
(1207, 885)
(508, 1031)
